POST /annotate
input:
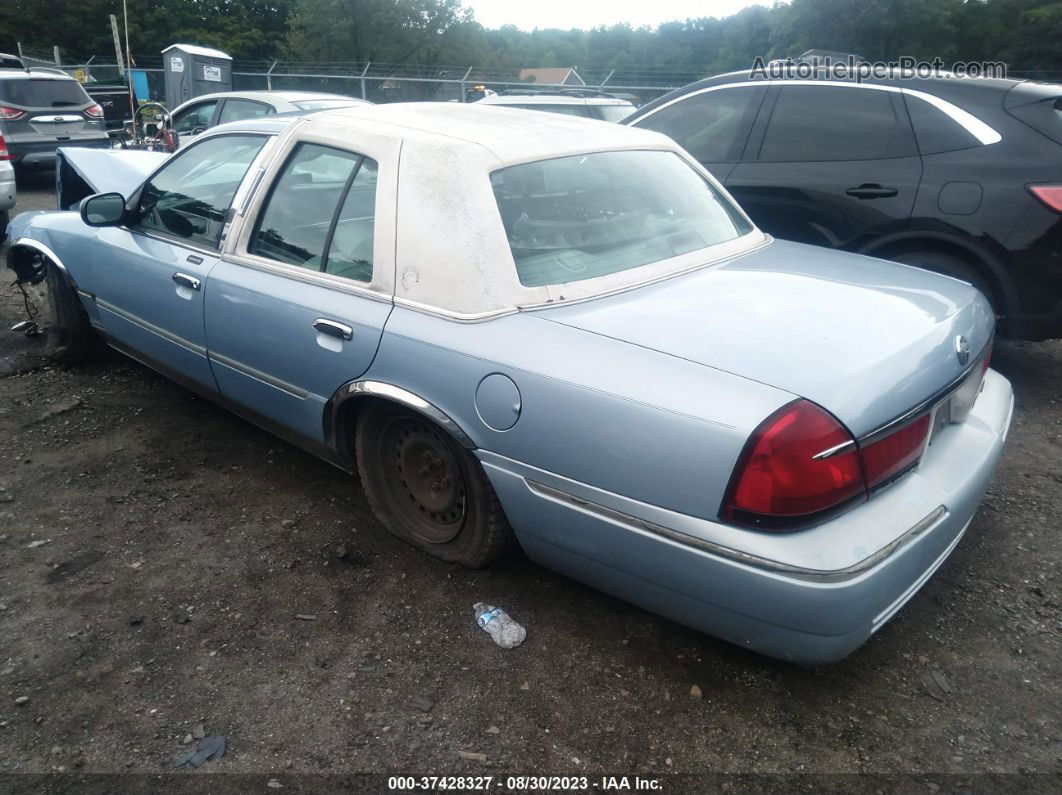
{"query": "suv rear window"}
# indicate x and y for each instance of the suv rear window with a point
(586, 216)
(43, 93)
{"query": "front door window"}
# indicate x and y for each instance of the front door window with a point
(190, 197)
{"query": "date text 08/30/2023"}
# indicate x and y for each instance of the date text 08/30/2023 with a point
(523, 783)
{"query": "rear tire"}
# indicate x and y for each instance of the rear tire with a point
(4, 218)
(71, 339)
(949, 265)
(426, 489)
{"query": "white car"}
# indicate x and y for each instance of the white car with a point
(604, 108)
(201, 113)
(7, 186)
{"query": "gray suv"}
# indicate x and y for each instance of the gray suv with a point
(43, 110)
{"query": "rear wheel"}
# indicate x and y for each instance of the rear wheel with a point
(428, 490)
(4, 218)
(949, 265)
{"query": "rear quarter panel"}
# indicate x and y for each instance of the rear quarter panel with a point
(625, 419)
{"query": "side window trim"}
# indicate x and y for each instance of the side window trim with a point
(133, 202)
(335, 215)
(754, 144)
(984, 133)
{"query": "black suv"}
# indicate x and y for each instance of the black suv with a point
(958, 175)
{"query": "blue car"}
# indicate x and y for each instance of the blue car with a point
(558, 333)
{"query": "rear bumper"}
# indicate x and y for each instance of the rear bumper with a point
(42, 154)
(777, 604)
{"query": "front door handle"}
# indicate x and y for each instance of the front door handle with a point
(185, 280)
(333, 329)
(870, 190)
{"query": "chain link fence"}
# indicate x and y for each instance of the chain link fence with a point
(376, 82)
(382, 83)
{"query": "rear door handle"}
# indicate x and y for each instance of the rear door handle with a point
(333, 329)
(871, 191)
(185, 280)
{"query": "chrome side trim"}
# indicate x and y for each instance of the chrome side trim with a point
(167, 335)
(797, 572)
(413, 401)
(258, 375)
(978, 129)
(905, 597)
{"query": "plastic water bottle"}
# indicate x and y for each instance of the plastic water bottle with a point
(499, 625)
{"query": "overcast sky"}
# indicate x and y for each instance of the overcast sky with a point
(531, 14)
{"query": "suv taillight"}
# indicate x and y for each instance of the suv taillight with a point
(801, 465)
(1051, 195)
(94, 111)
(4, 154)
(10, 114)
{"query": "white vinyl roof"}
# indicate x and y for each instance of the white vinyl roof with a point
(451, 254)
(195, 49)
(500, 137)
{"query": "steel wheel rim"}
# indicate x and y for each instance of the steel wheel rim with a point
(429, 484)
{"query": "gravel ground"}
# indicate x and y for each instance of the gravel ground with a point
(156, 554)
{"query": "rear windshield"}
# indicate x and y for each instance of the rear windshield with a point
(323, 104)
(586, 216)
(43, 93)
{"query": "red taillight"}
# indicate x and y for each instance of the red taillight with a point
(10, 114)
(888, 457)
(94, 111)
(1051, 195)
(779, 475)
(801, 463)
(4, 154)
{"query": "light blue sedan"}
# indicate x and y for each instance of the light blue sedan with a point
(563, 334)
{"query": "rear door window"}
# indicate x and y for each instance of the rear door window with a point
(43, 93)
(712, 126)
(323, 201)
(831, 123)
(240, 109)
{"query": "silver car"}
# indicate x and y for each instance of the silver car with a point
(41, 110)
(563, 334)
(8, 193)
(199, 114)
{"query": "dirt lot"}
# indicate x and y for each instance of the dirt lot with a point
(156, 552)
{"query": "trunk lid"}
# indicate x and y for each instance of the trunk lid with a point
(864, 338)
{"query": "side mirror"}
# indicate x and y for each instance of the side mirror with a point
(103, 209)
